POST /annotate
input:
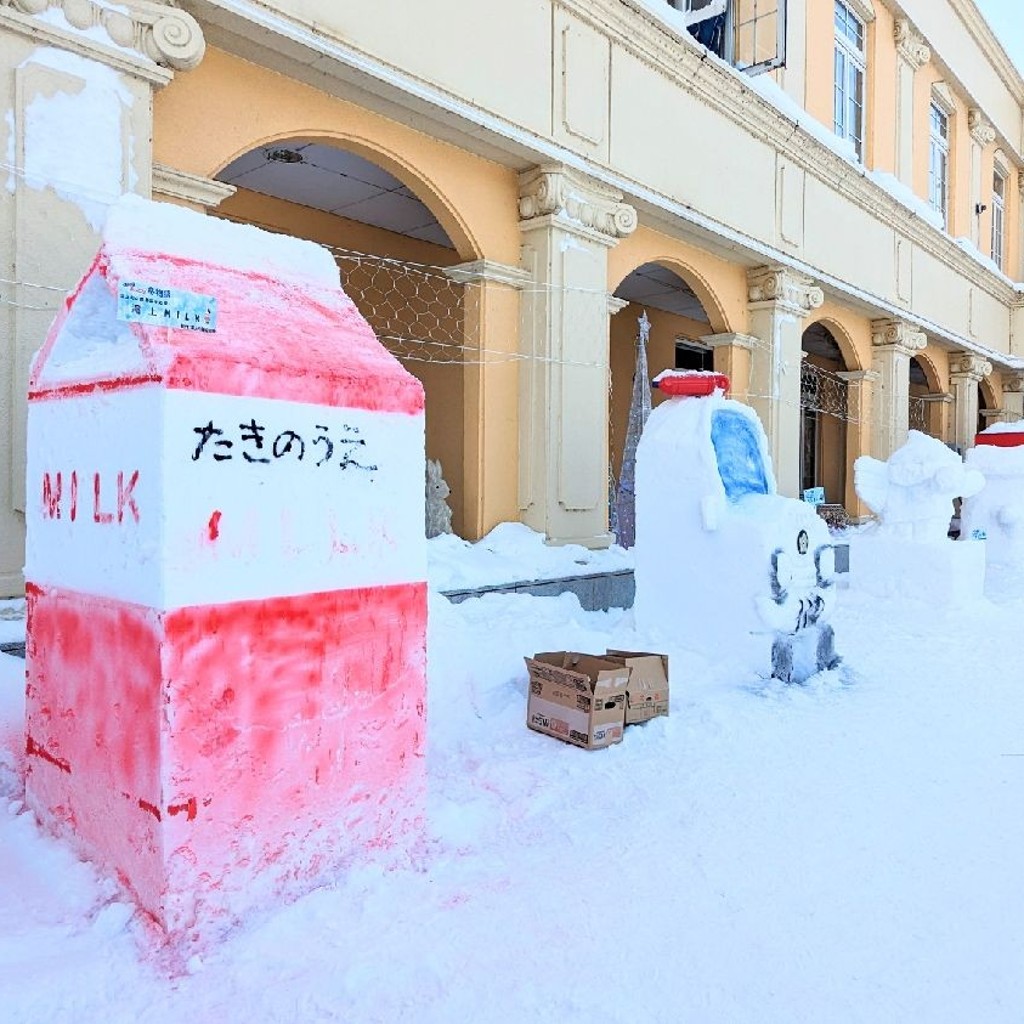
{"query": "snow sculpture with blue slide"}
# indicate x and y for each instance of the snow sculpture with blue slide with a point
(725, 564)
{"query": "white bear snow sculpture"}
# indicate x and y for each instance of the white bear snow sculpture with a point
(908, 555)
(723, 563)
(912, 494)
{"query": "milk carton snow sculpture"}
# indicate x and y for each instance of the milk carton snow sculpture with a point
(226, 565)
(723, 562)
(908, 554)
(997, 510)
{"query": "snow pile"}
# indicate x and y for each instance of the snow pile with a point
(838, 852)
(513, 553)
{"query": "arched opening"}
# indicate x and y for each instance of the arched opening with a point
(824, 415)
(392, 251)
(988, 405)
(675, 322)
(924, 410)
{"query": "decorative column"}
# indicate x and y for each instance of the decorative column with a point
(860, 386)
(779, 300)
(490, 393)
(732, 354)
(568, 224)
(82, 72)
(893, 344)
(1013, 396)
(982, 135)
(911, 55)
(937, 413)
(966, 372)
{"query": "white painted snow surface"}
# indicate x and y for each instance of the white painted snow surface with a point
(136, 225)
(74, 137)
(843, 851)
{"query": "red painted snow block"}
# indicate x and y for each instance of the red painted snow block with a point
(225, 572)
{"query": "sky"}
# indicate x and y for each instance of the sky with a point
(1007, 20)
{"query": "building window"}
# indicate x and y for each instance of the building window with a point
(694, 357)
(749, 34)
(849, 83)
(998, 217)
(938, 162)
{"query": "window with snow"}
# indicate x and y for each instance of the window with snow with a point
(750, 34)
(938, 161)
(998, 217)
(850, 66)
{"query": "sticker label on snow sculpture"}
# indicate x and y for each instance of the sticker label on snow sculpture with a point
(166, 307)
(259, 444)
(814, 495)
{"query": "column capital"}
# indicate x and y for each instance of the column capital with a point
(909, 45)
(858, 376)
(191, 188)
(616, 305)
(489, 271)
(981, 130)
(1013, 383)
(965, 366)
(938, 398)
(778, 285)
(167, 36)
(890, 332)
(747, 341)
(555, 190)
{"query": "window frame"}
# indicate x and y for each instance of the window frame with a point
(849, 57)
(997, 246)
(939, 144)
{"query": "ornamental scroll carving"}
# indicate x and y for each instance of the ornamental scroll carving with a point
(909, 45)
(779, 284)
(167, 36)
(554, 190)
(898, 333)
(968, 366)
(1013, 383)
(981, 131)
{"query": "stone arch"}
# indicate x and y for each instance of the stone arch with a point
(930, 370)
(842, 337)
(474, 199)
(395, 162)
(990, 395)
(697, 282)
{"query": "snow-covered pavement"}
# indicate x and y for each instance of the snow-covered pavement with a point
(849, 850)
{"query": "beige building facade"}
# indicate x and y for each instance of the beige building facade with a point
(508, 187)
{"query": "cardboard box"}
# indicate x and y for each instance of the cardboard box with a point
(647, 690)
(579, 698)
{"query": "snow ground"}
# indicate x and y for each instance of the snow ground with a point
(844, 851)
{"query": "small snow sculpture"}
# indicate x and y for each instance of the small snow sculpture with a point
(912, 493)
(439, 515)
(997, 512)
